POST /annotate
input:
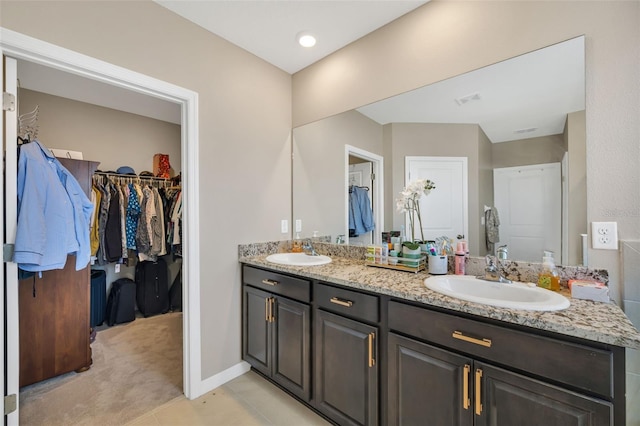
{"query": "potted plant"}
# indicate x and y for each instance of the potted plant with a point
(409, 202)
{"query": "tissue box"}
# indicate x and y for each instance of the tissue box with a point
(589, 290)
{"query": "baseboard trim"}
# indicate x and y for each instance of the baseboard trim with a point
(223, 377)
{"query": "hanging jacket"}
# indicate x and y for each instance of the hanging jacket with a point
(54, 213)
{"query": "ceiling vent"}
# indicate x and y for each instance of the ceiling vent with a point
(527, 130)
(465, 99)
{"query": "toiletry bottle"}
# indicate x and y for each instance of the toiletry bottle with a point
(296, 247)
(459, 259)
(549, 277)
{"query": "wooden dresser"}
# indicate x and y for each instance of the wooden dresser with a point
(54, 311)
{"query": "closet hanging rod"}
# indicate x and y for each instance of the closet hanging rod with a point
(131, 176)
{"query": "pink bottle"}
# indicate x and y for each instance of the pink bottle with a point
(459, 259)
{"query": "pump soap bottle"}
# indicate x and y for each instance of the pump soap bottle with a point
(460, 259)
(549, 277)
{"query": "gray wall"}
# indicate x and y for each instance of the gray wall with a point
(245, 125)
(525, 152)
(113, 138)
(319, 168)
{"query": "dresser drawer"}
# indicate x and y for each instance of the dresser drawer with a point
(285, 285)
(347, 302)
(588, 368)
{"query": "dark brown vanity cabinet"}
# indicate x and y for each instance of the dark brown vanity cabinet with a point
(277, 328)
(346, 366)
(457, 371)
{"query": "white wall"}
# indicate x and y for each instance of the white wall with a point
(447, 38)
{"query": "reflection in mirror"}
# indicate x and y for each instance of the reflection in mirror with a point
(519, 123)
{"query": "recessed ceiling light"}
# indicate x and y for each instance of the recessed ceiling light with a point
(306, 39)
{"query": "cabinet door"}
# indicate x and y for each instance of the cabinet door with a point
(256, 329)
(291, 346)
(427, 385)
(511, 399)
(346, 372)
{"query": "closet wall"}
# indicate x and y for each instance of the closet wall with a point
(113, 138)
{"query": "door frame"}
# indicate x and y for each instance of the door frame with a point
(378, 189)
(20, 46)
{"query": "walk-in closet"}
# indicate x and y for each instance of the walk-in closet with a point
(123, 152)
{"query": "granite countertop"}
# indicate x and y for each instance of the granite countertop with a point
(595, 321)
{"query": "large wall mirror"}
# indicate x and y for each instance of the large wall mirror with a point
(519, 125)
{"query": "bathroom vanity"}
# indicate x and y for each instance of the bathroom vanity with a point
(368, 346)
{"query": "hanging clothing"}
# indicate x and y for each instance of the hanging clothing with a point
(96, 198)
(113, 230)
(360, 212)
(54, 213)
(492, 227)
(133, 214)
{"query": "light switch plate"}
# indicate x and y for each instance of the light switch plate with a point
(604, 235)
(284, 226)
(298, 225)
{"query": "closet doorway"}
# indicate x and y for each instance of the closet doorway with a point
(17, 46)
(365, 169)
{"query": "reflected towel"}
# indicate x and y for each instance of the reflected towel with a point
(491, 227)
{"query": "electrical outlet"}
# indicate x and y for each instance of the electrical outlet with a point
(604, 235)
(298, 225)
(284, 226)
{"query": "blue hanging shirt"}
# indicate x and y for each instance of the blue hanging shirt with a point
(54, 213)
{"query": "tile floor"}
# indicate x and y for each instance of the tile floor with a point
(250, 400)
(247, 400)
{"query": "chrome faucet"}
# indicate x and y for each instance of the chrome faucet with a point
(308, 248)
(492, 271)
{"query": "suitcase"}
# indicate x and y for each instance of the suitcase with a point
(152, 287)
(98, 297)
(121, 303)
(175, 293)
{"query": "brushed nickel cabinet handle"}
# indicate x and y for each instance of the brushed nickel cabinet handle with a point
(372, 361)
(270, 282)
(478, 390)
(482, 342)
(337, 301)
(466, 401)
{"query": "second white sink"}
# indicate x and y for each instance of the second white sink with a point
(514, 296)
(298, 259)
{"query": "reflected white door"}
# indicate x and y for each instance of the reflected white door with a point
(444, 210)
(529, 204)
(361, 174)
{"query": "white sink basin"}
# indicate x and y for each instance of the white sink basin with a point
(298, 259)
(514, 296)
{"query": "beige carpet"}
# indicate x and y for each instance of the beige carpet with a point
(136, 368)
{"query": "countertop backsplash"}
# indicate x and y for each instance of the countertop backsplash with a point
(512, 269)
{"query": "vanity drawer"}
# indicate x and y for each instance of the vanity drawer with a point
(585, 367)
(273, 282)
(347, 302)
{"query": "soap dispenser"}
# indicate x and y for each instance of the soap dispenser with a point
(549, 277)
(296, 246)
